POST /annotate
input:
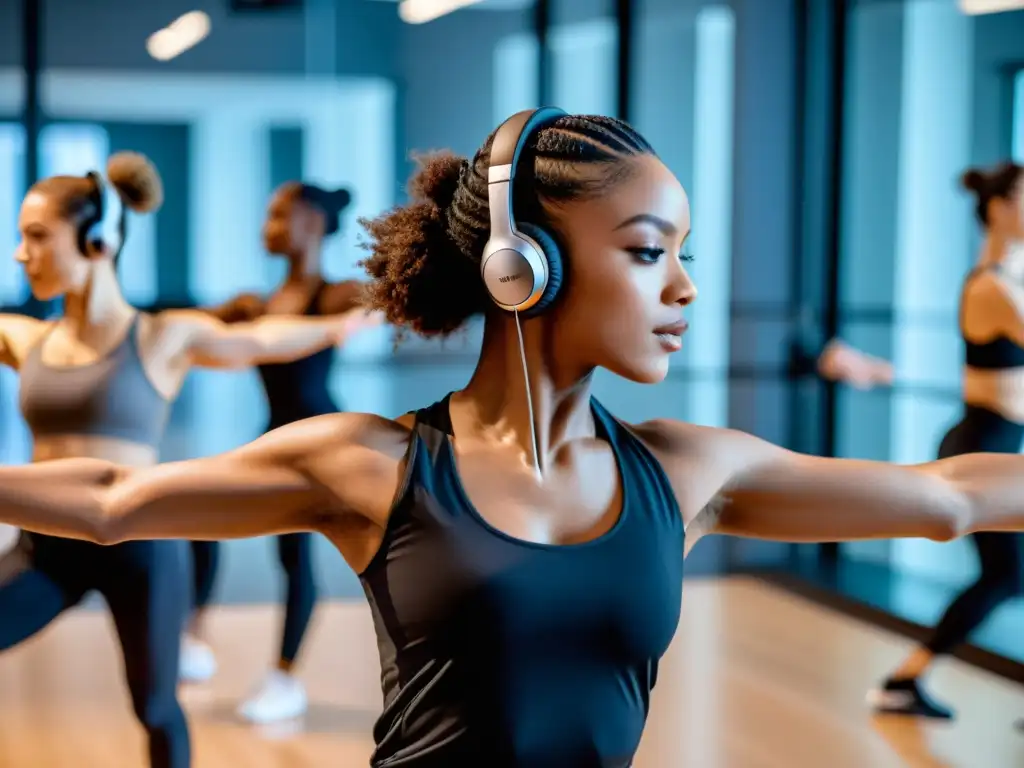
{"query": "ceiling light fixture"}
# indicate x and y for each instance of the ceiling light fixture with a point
(177, 37)
(979, 7)
(422, 11)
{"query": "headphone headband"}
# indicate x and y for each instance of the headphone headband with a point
(104, 230)
(507, 147)
(512, 135)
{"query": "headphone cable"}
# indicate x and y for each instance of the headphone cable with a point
(529, 398)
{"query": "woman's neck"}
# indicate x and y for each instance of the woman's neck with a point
(304, 265)
(98, 306)
(993, 249)
(496, 396)
(998, 247)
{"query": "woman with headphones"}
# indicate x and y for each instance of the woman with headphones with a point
(97, 384)
(521, 548)
(299, 218)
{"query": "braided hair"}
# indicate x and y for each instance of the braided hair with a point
(425, 256)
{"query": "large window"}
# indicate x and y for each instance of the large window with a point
(922, 103)
(1018, 117)
(683, 103)
(582, 69)
(12, 185)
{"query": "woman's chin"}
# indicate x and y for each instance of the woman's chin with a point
(44, 292)
(652, 371)
(276, 246)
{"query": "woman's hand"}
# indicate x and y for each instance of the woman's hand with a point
(842, 363)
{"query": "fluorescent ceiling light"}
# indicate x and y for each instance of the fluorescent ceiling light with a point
(978, 7)
(177, 37)
(422, 11)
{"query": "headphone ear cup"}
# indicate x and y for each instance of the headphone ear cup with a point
(91, 239)
(552, 254)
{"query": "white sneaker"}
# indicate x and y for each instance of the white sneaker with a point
(279, 697)
(197, 663)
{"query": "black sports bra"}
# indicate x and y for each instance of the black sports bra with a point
(999, 353)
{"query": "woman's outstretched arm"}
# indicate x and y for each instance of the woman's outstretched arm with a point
(241, 308)
(296, 478)
(212, 343)
(755, 489)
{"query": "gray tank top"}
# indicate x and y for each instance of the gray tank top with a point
(111, 397)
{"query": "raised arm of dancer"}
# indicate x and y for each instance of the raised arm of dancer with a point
(213, 343)
(307, 476)
(338, 298)
(18, 334)
(241, 308)
(843, 363)
(733, 483)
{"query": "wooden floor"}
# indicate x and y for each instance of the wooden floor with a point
(755, 679)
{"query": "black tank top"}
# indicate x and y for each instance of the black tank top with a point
(502, 653)
(298, 390)
(998, 354)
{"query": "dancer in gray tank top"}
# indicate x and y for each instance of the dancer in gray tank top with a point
(97, 383)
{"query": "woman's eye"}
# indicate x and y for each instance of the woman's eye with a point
(647, 255)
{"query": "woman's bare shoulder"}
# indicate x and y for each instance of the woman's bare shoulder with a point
(389, 437)
(687, 450)
(674, 439)
(361, 459)
(697, 460)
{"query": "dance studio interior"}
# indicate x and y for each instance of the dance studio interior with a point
(851, 169)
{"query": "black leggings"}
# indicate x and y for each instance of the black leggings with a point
(295, 551)
(205, 564)
(981, 430)
(146, 585)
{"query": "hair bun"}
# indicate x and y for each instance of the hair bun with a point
(422, 279)
(339, 199)
(137, 181)
(973, 179)
(438, 178)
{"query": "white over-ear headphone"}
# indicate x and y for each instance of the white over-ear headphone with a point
(102, 232)
(521, 265)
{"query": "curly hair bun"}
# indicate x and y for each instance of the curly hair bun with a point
(422, 279)
(137, 181)
(973, 180)
(438, 179)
